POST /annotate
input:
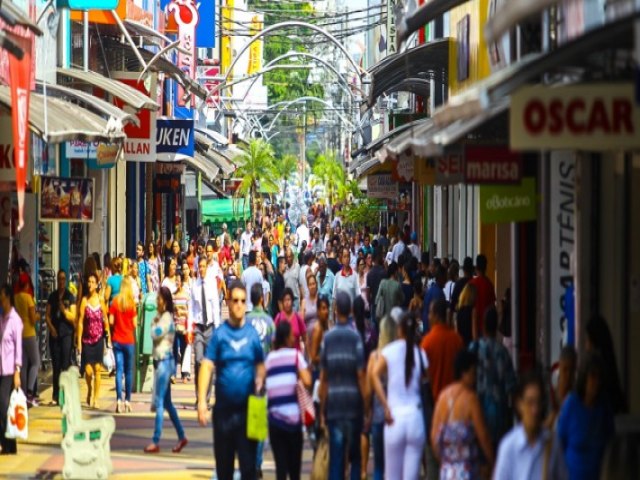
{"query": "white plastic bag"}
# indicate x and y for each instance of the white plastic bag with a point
(17, 416)
(108, 359)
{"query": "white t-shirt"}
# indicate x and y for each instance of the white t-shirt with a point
(245, 243)
(398, 249)
(250, 277)
(400, 395)
(303, 234)
(448, 290)
(415, 250)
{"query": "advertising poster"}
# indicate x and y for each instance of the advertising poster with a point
(66, 199)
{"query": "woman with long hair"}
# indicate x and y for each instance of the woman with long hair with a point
(308, 306)
(123, 320)
(155, 267)
(466, 324)
(317, 329)
(93, 324)
(459, 432)
(25, 306)
(191, 255)
(287, 314)
(162, 333)
(417, 302)
(285, 366)
(136, 281)
(403, 363)
(362, 271)
(181, 299)
(387, 335)
(143, 268)
(170, 281)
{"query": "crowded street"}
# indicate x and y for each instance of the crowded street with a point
(319, 239)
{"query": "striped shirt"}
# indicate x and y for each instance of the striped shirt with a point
(282, 377)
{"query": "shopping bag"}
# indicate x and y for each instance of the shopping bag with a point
(257, 428)
(320, 467)
(108, 359)
(17, 416)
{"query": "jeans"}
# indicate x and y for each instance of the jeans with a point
(179, 348)
(229, 438)
(344, 437)
(259, 455)
(287, 452)
(124, 354)
(162, 398)
(201, 339)
(377, 440)
(60, 348)
(30, 365)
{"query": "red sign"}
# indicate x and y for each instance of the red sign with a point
(492, 165)
(209, 84)
(140, 145)
(186, 16)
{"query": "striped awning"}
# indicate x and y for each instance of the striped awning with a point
(200, 163)
(65, 121)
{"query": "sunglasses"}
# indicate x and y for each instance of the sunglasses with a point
(239, 300)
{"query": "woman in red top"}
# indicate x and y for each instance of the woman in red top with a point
(287, 314)
(123, 320)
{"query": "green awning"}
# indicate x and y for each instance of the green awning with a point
(225, 210)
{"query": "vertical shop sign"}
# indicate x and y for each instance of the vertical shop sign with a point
(255, 50)
(391, 27)
(20, 93)
(186, 15)
(562, 218)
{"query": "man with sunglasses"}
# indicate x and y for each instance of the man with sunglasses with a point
(237, 354)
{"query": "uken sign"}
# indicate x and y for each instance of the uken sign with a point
(174, 139)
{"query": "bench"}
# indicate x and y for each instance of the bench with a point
(85, 441)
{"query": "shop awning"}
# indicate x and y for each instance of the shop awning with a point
(213, 136)
(422, 15)
(12, 15)
(225, 210)
(160, 64)
(127, 94)
(224, 162)
(416, 139)
(424, 62)
(65, 121)
(512, 13)
(90, 102)
(202, 164)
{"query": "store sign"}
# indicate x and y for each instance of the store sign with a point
(66, 199)
(562, 241)
(185, 15)
(382, 186)
(592, 117)
(404, 168)
(97, 154)
(392, 46)
(169, 168)
(87, 4)
(492, 165)
(505, 204)
(210, 84)
(445, 170)
(166, 183)
(140, 145)
(174, 139)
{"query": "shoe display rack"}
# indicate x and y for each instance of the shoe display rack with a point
(46, 285)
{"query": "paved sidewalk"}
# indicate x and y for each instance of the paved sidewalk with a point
(41, 456)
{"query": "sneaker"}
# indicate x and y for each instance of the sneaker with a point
(32, 401)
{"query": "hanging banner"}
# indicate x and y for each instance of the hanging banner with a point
(505, 204)
(185, 15)
(593, 117)
(66, 199)
(382, 186)
(255, 50)
(140, 145)
(174, 139)
(20, 93)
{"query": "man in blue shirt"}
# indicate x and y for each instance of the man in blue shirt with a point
(325, 278)
(435, 292)
(236, 351)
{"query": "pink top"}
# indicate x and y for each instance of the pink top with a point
(297, 326)
(93, 327)
(10, 343)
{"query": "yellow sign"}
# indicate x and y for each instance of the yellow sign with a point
(255, 50)
(583, 117)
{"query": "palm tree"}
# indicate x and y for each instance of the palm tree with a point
(330, 173)
(255, 169)
(285, 168)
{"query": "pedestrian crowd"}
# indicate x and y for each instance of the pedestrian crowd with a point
(398, 354)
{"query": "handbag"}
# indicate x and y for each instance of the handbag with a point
(320, 466)
(108, 359)
(426, 396)
(17, 416)
(257, 428)
(305, 402)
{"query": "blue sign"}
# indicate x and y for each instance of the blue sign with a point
(88, 4)
(206, 29)
(174, 139)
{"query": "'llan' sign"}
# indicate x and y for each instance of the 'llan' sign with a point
(174, 139)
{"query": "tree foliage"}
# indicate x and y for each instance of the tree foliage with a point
(256, 169)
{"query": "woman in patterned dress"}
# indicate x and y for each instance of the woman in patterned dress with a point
(155, 268)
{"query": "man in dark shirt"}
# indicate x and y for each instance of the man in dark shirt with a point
(342, 391)
(435, 292)
(374, 278)
(278, 287)
(60, 316)
(467, 269)
(332, 261)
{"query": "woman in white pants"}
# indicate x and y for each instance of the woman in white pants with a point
(404, 434)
